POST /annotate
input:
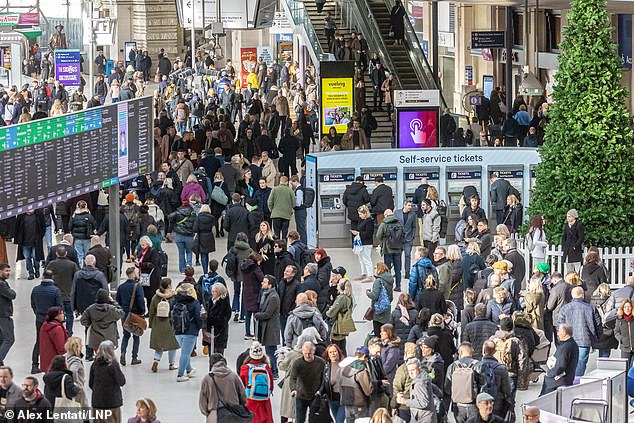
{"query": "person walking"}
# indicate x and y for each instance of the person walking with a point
(43, 297)
(305, 376)
(382, 290)
(63, 274)
(130, 297)
(572, 240)
(100, 320)
(183, 220)
(162, 333)
(268, 320)
(397, 26)
(257, 377)
(211, 397)
(391, 236)
(493, 379)
(30, 229)
(236, 220)
(218, 316)
(381, 199)
(431, 226)
(82, 225)
(281, 202)
(105, 381)
(460, 384)
(204, 241)
(300, 207)
(53, 336)
(186, 321)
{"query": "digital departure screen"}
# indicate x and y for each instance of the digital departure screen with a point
(57, 158)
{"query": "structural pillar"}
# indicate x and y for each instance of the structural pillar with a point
(509, 59)
(434, 38)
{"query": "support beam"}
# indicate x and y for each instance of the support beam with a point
(509, 59)
(114, 230)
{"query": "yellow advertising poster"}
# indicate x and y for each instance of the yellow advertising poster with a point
(337, 96)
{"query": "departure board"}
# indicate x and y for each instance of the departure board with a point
(57, 158)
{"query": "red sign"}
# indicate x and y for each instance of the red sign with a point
(29, 19)
(248, 61)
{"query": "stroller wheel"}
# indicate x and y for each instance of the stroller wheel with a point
(535, 380)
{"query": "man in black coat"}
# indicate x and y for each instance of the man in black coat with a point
(30, 229)
(287, 289)
(517, 260)
(479, 330)
(67, 243)
(561, 366)
(499, 191)
(43, 296)
(273, 125)
(503, 395)
(382, 198)
(236, 220)
(378, 77)
(33, 402)
(355, 195)
(63, 273)
(572, 242)
(310, 279)
(283, 259)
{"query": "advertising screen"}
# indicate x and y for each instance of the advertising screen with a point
(417, 128)
(65, 156)
(337, 103)
(67, 67)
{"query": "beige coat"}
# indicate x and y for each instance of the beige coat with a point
(287, 403)
(270, 173)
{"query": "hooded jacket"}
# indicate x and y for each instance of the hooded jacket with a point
(53, 385)
(417, 277)
(251, 279)
(295, 326)
(53, 336)
(387, 280)
(193, 307)
(183, 219)
(82, 225)
(101, 320)
(421, 402)
(86, 283)
(355, 195)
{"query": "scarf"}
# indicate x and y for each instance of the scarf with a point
(627, 317)
(404, 315)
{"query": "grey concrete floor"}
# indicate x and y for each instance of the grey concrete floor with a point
(178, 402)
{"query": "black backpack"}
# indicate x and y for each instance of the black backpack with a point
(307, 322)
(181, 318)
(395, 236)
(163, 261)
(230, 263)
(309, 197)
(441, 208)
(303, 255)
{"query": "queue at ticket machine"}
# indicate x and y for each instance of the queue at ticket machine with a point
(457, 179)
(333, 217)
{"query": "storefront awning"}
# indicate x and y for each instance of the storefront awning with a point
(30, 33)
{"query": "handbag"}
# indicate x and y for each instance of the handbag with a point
(144, 278)
(357, 245)
(134, 323)
(369, 313)
(63, 403)
(231, 413)
(219, 196)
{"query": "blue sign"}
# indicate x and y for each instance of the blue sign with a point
(508, 174)
(412, 176)
(67, 67)
(475, 100)
(465, 175)
(284, 38)
(625, 40)
(337, 177)
(425, 45)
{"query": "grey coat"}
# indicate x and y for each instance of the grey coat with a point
(294, 327)
(560, 294)
(499, 192)
(230, 390)
(101, 321)
(268, 329)
(410, 228)
(421, 401)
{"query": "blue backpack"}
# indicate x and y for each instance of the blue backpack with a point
(259, 383)
(383, 302)
(206, 282)
(488, 372)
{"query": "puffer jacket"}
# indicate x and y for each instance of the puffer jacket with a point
(251, 279)
(390, 354)
(495, 309)
(355, 195)
(82, 225)
(295, 326)
(420, 270)
(400, 328)
(183, 219)
(477, 332)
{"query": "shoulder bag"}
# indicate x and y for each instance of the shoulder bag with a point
(134, 323)
(63, 403)
(230, 413)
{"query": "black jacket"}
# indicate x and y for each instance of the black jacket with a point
(44, 296)
(53, 385)
(382, 198)
(519, 268)
(310, 283)
(284, 259)
(566, 358)
(203, 229)
(366, 231)
(434, 300)
(218, 315)
(446, 346)
(236, 221)
(106, 380)
(7, 295)
(124, 294)
(572, 242)
(324, 269)
(288, 292)
(82, 225)
(39, 405)
(355, 195)
(183, 219)
(86, 283)
(477, 332)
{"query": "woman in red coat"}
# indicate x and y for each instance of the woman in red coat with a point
(258, 399)
(53, 336)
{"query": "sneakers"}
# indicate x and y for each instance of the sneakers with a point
(35, 370)
(173, 367)
(205, 349)
(191, 373)
(155, 366)
(31, 277)
(235, 317)
(249, 337)
(135, 361)
(122, 360)
(182, 379)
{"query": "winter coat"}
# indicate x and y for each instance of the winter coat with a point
(559, 295)
(101, 320)
(63, 273)
(495, 309)
(586, 323)
(366, 231)
(593, 275)
(282, 260)
(382, 235)
(268, 318)
(499, 191)
(381, 199)
(204, 242)
(324, 270)
(355, 195)
(386, 280)
(162, 333)
(287, 403)
(218, 316)
(243, 250)
(103, 258)
(287, 291)
(295, 326)
(540, 245)
(446, 346)
(535, 308)
(86, 283)
(220, 384)
(82, 225)
(401, 329)
(183, 219)
(53, 385)
(149, 264)
(513, 217)
(471, 263)
(281, 202)
(340, 306)
(431, 226)
(572, 242)
(76, 367)
(421, 401)
(53, 336)
(422, 267)
(410, 228)
(390, 356)
(519, 357)
(477, 332)
(434, 300)
(607, 340)
(106, 380)
(566, 358)
(251, 279)
(44, 296)
(235, 221)
(519, 268)
(193, 308)
(193, 188)
(624, 333)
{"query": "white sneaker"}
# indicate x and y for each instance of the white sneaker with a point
(191, 373)
(182, 378)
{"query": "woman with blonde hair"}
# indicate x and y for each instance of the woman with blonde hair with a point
(502, 229)
(265, 244)
(599, 299)
(312, 299)
(573, 279)
(75, 364)
(433, 196)
(513, 213)
(162, 333)
(57, 109)
(472, 262)
(145, 412)
(381, 415)
(534, 298)
(365, 230)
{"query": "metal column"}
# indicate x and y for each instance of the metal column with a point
(434, 38)
(509, 59)
(114, 229)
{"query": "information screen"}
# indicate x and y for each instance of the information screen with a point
(57, 158)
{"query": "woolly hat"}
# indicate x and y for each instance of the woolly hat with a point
(572, 213)
(506, 323)
(431, 342)
(256, 352)
(103, 296)
(543, 268)
(129, 198)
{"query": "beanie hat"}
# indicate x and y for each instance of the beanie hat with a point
(431, 342)
(256, 352)
(573, 213)
(103, 296)
(543, 268)
(506, 323)
(129, 198)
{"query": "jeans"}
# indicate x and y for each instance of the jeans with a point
(126, 339)
(35, 356)
(513, 383)
(407, 251)
(270, 351)
(184, 245)
(204, 262)
(235, 306)
(32, 265)
(365, 260)
(584, 354)
(69, 317)
(171, 356)
(187, 343)
(82, 246)
(280, 227)
(7, 336)
(301, 408)
(300, 223)
(193, 120)
(182, 127)
(49, 237)
(247, 322)
(462, 413)
(90, 352)
(394, 260)
(338, 411)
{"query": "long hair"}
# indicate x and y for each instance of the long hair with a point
(620, 313)
(537, 222)
(269, 232)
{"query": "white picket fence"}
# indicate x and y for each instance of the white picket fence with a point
(619, 261)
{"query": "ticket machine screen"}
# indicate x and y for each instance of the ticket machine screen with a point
(330, 203)
(389, 178)
(515, 177)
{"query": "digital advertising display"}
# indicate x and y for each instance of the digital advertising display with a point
(337, 103)
(417, 128)
(61, 157)
(67, 67)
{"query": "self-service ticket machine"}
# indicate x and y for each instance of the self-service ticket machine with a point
(514, 175)
(333, 219)
(389, 178)
(457, 180)
(412, 178)
(533, 176)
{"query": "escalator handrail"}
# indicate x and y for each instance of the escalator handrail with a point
(300, 17)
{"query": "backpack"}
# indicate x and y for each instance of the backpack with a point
(309, 197)
(180, 318)
(490, 384)
(395, 236)
(502, 353)
(383, 302)
(206, 283)
(219, 196)
(163, 308)
(303, 255)
(422, 276)
(258, 384)
(230, 263)
(163, 262)
(441, 208)
(307, 322)
(463, 384)
(515, 192)
(180, 113)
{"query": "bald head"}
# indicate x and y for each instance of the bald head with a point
(302, 298)
(630, 281)
(577, 292)
(90, 260)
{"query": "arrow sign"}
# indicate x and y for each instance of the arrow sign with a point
(189, 4)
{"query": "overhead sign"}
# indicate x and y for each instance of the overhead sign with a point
(67, 67)
(267, 54)
(281, 24)
(416, 98)
(234, 14)
(29, 19)
(9, 19)
(487, 39)
(192, 11)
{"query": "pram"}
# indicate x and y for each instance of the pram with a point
(539, 357)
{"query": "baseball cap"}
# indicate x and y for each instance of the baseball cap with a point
(340, 270)
(363, 350)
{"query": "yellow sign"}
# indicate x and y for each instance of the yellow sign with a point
(337, 99)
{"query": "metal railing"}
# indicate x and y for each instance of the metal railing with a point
(300, 18)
